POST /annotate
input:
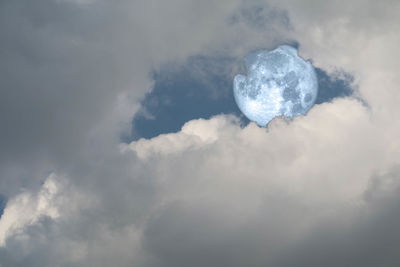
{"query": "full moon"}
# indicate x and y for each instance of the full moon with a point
(278, 83)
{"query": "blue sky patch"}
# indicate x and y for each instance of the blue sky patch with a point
(3, 202)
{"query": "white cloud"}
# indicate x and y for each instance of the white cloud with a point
(194, 135)
(54, 200)
(26, 209)
(314, 156)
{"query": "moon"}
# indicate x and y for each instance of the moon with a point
(278, 83)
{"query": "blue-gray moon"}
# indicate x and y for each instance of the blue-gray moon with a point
(278, 83)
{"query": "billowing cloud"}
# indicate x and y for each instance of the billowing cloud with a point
(320, 189)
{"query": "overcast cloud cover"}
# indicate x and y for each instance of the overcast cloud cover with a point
(320, 190)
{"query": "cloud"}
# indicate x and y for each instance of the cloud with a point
(29, 208)
(25, 209)
(261, 196)
(194, 134)
(320, 189)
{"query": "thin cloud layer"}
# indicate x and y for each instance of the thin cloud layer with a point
(321, 189)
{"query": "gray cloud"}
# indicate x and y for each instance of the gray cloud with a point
(66, 65)
(321, 189)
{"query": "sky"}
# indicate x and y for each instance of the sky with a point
(121, 143)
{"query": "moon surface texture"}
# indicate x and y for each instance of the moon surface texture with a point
(279, 83)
